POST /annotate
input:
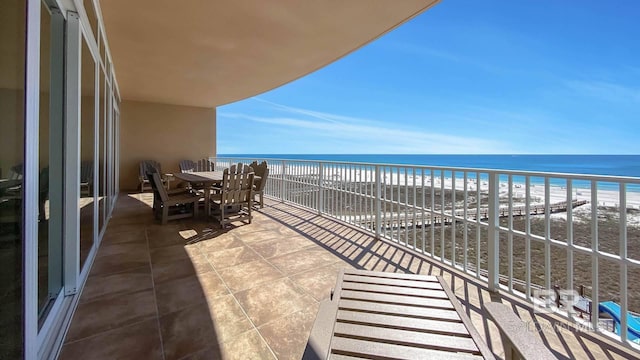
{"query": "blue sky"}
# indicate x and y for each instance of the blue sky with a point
(465, 77)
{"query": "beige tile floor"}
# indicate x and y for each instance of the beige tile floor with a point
(188, 290)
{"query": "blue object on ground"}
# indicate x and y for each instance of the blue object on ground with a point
(633, 322)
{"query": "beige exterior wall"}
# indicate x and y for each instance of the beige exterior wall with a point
(165, 133)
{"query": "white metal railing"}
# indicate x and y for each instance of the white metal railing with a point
(518, 231)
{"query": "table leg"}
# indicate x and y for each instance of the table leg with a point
(207, 195)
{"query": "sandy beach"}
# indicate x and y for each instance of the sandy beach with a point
(607, 200)
(605, 197)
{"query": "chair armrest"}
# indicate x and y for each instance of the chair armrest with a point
(320, 337)
(518, 340)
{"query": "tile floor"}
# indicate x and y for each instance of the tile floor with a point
(188, 290)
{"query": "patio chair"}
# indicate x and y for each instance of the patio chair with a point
(204, 165)
(382, 315)
(174, 206)
(156, 195)
(15, 175)
(86, 178)
(240, 169)
(262, 172)
(11, 198)
(233, 200)
(187, 166)
(16, 172)
(147, 166)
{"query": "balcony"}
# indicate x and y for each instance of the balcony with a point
(190, 290)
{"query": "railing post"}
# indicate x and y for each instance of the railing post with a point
(320, 188)
(378, 202)
(283, 186)
(493, 253)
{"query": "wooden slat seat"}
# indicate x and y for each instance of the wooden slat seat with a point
(357, 349)
(393, 316)
(398, 299)
(394, 282)
(394, 290)
(414, 311)
(399, 321)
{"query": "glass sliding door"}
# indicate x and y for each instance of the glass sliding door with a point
(56, 98)
(12, 124)
(51, 152)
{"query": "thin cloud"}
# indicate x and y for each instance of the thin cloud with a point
(332, 118)
(607, 91)
(295, 110)
(421, 50)
(458, 59)
(374, 136)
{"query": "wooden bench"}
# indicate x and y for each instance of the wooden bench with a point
(397, 316)
(517, 339)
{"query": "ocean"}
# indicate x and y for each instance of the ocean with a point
(615, 165)
(611, 165)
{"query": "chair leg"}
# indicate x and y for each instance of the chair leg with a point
(195, 207)
(261, 200)
(165, 214)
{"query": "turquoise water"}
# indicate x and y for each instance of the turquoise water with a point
(614, 165)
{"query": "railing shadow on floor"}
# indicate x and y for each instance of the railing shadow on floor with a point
(362, 251)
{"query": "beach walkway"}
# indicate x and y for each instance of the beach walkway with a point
(409, 220)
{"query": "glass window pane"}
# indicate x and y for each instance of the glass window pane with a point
(103, 55)
(113, 150)
(12, 102)
(87, 128)
(104, 88)
(93, 18)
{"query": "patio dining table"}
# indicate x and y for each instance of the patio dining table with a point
(207, 178)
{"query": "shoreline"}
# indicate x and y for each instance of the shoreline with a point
(605, 197)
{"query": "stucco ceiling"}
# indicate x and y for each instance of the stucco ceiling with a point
(212, 52)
